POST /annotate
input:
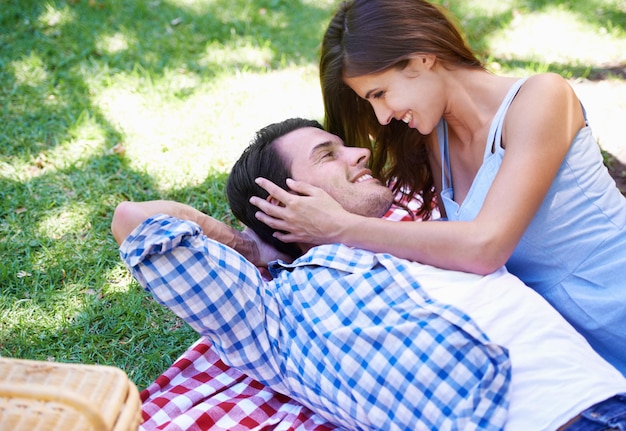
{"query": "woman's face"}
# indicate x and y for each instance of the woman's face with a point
(414, 94)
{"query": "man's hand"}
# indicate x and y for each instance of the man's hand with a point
(262, 253)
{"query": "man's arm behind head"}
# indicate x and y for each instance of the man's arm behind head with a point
(129, 215)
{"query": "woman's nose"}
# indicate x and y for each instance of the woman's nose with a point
(383, 115)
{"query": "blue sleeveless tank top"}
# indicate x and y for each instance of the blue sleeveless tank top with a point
(573, 252)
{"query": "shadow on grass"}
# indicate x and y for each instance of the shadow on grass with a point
(106, 329)
(65, 294)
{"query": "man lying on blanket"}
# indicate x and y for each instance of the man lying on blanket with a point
(200, 392)
(366, 340)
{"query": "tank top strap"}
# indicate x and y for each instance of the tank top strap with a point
(584, 113)
(495, 134)
(495, 131)
(494, 137)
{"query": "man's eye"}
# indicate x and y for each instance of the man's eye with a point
(328, 154)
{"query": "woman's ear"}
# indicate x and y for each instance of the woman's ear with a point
(429, 60)
(421, 62)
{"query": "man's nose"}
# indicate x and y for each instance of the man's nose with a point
(359, 156)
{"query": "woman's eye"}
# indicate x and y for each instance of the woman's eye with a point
(378, 94)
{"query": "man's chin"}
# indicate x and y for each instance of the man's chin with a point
(384, 210)
(375, 208)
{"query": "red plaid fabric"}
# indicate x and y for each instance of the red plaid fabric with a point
(406, 206)
(200, 392)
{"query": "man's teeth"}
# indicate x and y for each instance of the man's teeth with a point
(364, 178)
(407, 117)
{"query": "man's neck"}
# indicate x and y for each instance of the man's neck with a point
(396, 212)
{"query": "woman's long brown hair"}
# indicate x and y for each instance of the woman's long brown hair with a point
(371, 36)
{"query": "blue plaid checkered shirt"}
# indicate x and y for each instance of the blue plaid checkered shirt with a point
(345, 332)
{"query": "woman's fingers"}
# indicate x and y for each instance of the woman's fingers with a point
(275, 222)
(272, 208)
(299, 214)
(302, 188)
(274, 190)
(299, 187)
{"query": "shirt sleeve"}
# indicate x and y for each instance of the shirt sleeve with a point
(213, 288)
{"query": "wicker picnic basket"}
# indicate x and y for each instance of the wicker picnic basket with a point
(47, 396)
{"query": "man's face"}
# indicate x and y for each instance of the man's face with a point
(320, 158)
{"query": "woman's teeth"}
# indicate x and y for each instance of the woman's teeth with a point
(407, 117)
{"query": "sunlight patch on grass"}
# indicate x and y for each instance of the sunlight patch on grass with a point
(252, 101)
(37, 322)
(11, 169)
(179, 140)
(33, 316)
(181, 82)
(245, 54)
(194, 6)
(53, 17)
(557, 36)
(322, 3)
(119, 280)
(66, 220)
(30, 70)
(86, 140)
(158, 133)
(488, 7)
(28, 316)
(115, 43)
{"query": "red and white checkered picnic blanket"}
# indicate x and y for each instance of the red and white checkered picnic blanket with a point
(200, 392)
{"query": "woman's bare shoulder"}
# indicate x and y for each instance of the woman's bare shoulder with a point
(549, 94)
(546, 109)
(548, 84)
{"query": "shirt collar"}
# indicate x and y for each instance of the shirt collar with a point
(333, 256)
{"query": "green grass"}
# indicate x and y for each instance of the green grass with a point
(104, 101)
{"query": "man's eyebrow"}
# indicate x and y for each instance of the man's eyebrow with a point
(321, 147)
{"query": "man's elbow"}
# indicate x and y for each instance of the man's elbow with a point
(125, 218)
